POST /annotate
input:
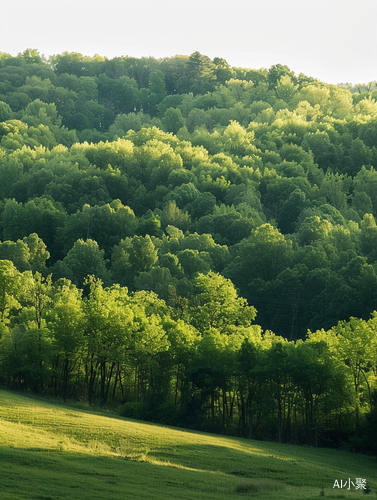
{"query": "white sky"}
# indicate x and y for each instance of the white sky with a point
(333, 40)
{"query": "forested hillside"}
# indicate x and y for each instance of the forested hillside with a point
(202, 200)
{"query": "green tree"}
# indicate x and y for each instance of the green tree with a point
(276, 370)
(335, 188)
(353, 342)
(157, 89)
(222, 70)
(271, 253)
(285, 88)
(10, 283)
(366, 182)
(368, 237)
(148, 343)
(40, 113)
(108, 320)
(173, 120)
(65, 320)
(38, 253)
(173, 216)
(193, 262)
(85, 258)
(6, 112)
(17, 252)
(40, 215)
(201, 75)
(131, 257)
(218, 306)
(277, 72)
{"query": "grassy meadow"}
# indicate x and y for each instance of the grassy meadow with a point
(50, 451)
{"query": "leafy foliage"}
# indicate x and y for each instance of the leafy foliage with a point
(201, 188)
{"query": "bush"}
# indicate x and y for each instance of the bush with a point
(257, 486)
(139, 411)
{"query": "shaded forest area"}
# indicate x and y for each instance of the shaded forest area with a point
(186, 190)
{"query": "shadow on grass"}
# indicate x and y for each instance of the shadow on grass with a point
(28, 474)
(187, 472)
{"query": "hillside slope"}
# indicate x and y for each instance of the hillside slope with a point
(51, 451)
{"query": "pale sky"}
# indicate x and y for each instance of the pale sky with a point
(333, 40)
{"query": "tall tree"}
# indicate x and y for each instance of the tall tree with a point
(218, 306)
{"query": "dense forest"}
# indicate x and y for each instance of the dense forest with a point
(193, 241)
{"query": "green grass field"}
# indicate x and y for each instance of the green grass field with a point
(51, 451)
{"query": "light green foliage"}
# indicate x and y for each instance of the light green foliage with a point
(355, 344)
(368, 238)
(65, 321)
(10, 281)
(38, 253)
(285, 88)
(38, 112)
(107, 324)
(117, 153)
(83, 259)
(233, 91)
(314, 229)
(17, 252)
(218, 305)
(237, 140)
(148, 336)
(132, 256)
(352, 345)
(314, 94)
(16, 134)
(38, 294)
(174, 216)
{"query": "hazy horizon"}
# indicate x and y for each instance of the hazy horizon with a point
(330, 40)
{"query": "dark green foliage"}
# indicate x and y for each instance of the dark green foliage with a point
(173, 120)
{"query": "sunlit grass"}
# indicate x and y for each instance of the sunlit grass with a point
(53, 451)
